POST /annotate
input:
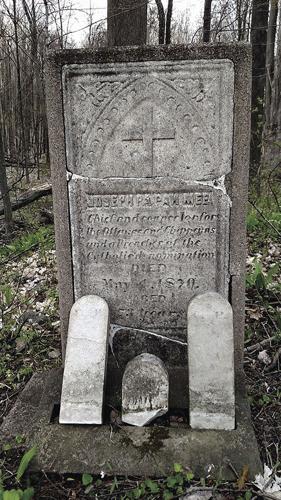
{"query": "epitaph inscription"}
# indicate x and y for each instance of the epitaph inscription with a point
(148, 253)
(164, 119)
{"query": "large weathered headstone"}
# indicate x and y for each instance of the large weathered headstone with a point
(211, 362)
(156, 184)
(149, 154)
(145, 390)
(148, 209)
(85, 362)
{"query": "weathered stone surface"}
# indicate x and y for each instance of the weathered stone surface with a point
(145, 390)
(237, 55)
(85, 362)
(211, 362)
(152, 119)
(142, 251)
(149, 214)
(145, 451)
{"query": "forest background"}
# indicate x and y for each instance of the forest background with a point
(29, 319)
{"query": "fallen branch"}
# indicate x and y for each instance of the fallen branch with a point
(30, 196)
(262, 343)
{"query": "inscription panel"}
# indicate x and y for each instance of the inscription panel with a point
(149, 119)
(148, 253)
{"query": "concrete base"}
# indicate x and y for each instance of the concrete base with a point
(146, 451)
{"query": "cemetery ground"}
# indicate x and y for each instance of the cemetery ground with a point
(30, 342)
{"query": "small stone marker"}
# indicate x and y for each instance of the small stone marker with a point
(145, 390)
(211, 362)
(85, 362)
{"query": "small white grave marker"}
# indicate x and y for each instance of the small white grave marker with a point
(145, 390)
(85, 362)
(211, 362)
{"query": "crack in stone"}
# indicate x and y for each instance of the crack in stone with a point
(218, 184)
(114, 328)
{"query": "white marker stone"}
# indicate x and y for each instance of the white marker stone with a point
(85, 362)
(211, 362)
(145, 390)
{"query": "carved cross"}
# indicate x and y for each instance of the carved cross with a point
(148, 134)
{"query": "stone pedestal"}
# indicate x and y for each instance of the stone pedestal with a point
(145, 451)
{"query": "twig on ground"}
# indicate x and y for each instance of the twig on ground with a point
(233, 468)
(274, 361)
(16, 255)
(262, 343)
(264, 218)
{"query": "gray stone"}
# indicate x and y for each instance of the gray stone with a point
(145, 390)
(149, 119)
(235, 58)
(211, 362)
(140, 251)
(145, 451)
(148, 212)
(85, 362)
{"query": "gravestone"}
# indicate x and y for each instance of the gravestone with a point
(210, 362)
(149, 152)
(85, 362)
(149, 212)
(145, 390)
(150, 196)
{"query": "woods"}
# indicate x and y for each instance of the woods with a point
(29, 28)
(140, 325)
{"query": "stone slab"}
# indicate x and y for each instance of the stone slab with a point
(210, 362)
(148, 451)
(85, 362)
(148, 250)
(236, 181)
(149, 119)
(145, 390)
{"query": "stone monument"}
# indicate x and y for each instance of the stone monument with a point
(149, 152)
(85, 362)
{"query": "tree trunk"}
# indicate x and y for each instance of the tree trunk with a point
(126, 22)
(270, 46)
(161, 19)
(29, 197)
(20, 99)
(275, 118)
(259, 26)
(7, 207)
(207, 21)
(169, 21)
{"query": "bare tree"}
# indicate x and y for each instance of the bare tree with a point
(127, 22)
(8, 215)
(162, 22)
(276, 87)
(230, 20)
(168, 22)
(260, 10)
(207, 21)
(243, 11)
(20, 98)
(270, 47)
